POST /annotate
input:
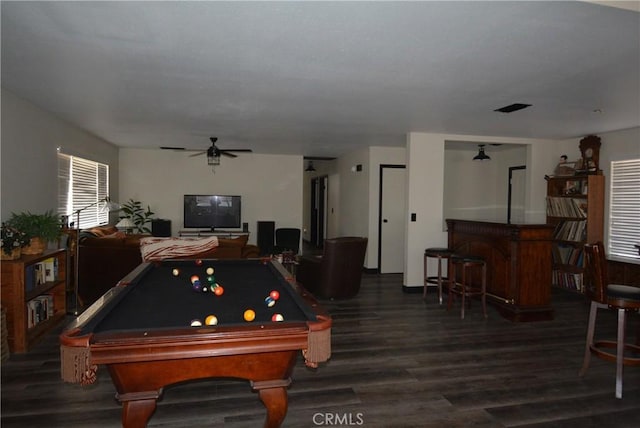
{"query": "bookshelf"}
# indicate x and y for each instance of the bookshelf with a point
(575, 206)
(33, 294)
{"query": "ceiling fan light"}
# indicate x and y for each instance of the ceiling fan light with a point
(481, 156)
(213, 156)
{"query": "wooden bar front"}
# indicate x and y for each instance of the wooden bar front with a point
(518, 260)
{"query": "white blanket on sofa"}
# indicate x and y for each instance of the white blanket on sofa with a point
(155, 249)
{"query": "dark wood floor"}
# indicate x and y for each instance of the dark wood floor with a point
(398, 361)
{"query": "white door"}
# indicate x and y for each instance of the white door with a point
(392, 219)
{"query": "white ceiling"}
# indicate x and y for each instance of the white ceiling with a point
(324, 78)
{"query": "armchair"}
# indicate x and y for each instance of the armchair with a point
(338, 272)
(287, 239)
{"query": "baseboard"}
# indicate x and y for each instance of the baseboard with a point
(412, 290)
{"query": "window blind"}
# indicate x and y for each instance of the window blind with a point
(624, 211)
(82, 184)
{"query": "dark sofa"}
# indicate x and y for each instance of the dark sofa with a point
(107, 256)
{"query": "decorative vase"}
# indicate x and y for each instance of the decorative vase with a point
(36, 246)
(15, 254)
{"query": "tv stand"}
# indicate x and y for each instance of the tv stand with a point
(212, 232)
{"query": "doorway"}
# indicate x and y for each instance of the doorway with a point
(318, 225)
(516, 198)
(392, 219)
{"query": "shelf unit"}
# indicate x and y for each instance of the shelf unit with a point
(207, 233)
(15, 298)
(575, 206)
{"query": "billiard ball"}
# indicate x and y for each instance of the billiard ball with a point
(196, 323)
(194, 278)
(218, 290)
(277, 318)
(211, 279)
(204, 289)
(210, 271)
(249, 315)
(269, 301)
(175, 272)
(275, 295)
(198, 262)
(211, 320)
(197, 286)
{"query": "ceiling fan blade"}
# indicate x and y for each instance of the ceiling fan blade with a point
(227, 154)
(237, 150)
(198, 154)
(172, 148)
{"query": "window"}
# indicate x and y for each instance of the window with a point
(82, 184)
(624, 211)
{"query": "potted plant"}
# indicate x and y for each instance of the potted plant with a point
(39, 228)
(12, 242)
(133, 211)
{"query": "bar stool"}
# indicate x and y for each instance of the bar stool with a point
(465, 288)
(442, 254)
(622, 298)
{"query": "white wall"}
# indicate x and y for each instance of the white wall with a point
(354, 196)
(270, 185)
(30, 137)
(479, 190)
(425, 174)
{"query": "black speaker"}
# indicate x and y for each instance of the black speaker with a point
(266, 231)
(161, 228)
(245, 227)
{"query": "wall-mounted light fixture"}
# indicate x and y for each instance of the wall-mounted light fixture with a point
(310, 167)
(481, 156)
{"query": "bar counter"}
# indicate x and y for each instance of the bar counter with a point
(518, 260)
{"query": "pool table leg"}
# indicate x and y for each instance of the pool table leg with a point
(138, 407)
(273, 394)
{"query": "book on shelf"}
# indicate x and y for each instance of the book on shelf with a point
(50, 269)
(39, 273)
(567, 255)
(566, 207)
(39, 309)
(568, 280)
(29, 278)
(571, 230)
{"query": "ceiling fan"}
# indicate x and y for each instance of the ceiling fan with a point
(213, 153)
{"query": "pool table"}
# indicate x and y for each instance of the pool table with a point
(141, 330)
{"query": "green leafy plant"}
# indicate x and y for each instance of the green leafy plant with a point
(12, 238)
(47, 226)
(133, 211)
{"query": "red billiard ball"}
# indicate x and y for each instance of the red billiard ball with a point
(275, 295)
(218, 290)
(277, 318)
(198, 262)
(194, 278)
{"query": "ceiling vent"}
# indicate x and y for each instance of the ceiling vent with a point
(513, 107)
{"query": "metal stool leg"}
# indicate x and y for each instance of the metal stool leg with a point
(440, 279)
(622, 316)
(484, 290)
(593, 313)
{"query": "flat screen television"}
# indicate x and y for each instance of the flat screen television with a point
(212, 211)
